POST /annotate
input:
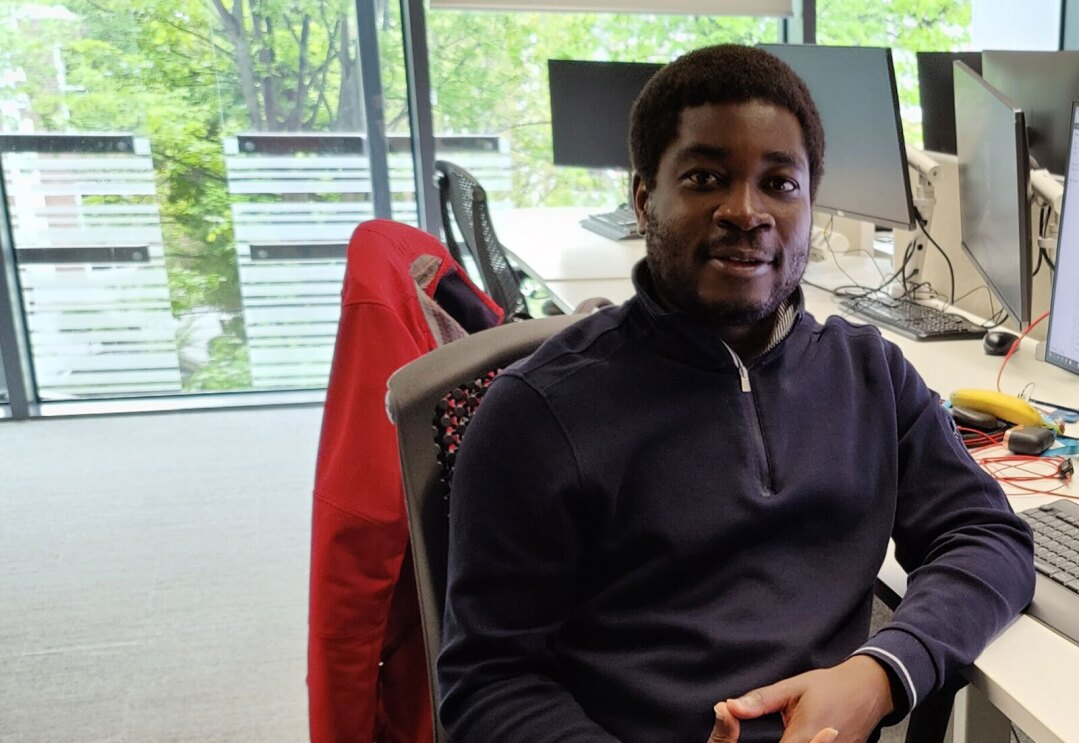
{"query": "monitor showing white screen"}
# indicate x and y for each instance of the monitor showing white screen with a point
(1062, 344)
(866, 158)
(994, 178)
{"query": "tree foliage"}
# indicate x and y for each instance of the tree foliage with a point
(189, 73)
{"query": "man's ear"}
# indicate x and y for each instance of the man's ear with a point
(640, 199)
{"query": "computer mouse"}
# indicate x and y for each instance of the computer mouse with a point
(998, 342)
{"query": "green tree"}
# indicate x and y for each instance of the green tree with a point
(188, 73)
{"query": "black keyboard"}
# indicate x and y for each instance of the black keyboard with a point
(918, 321)
(1056, 558)
(620, 224)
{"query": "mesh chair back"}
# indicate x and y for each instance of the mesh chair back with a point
(429, 427)
(464, 203)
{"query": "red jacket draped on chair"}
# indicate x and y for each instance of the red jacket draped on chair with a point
(403, 295)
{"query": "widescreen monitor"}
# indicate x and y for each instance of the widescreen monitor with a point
(590, 105)
(937, 97)
(866, 160)
(1062, 343)
(1043, 84)
(994, 177)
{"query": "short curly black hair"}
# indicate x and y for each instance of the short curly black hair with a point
(727, 73)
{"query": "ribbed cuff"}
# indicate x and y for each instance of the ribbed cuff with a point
(909, 662)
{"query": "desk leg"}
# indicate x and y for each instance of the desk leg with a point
(976, 720)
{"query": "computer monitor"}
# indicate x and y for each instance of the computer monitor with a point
(994, 178)
(590, 105)
(937, 99)
(1043, 84)
(1062, 343)
(866, 162)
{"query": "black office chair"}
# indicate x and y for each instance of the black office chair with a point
(463, 203)
(432, 399)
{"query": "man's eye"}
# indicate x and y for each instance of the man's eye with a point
(703, 179)
(783, 185)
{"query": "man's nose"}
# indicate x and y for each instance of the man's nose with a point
(743, 208)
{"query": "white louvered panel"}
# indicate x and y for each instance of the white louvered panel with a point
(269, 295)
(95, 328)
(82, 381)
(298, 230)
(300, 272)
(78, 275)
(295, 185)
(89, 235)
(285, 315)
(102, 360)
(81, 341)
(139, 324)
(45, 300)
(268, 335)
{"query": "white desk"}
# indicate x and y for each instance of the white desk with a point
(1028, 672)
(551, 245)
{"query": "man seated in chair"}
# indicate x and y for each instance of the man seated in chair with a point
(666, 523)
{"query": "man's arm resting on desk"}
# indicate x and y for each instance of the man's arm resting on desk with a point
(969, 558)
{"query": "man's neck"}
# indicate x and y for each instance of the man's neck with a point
(748, 341)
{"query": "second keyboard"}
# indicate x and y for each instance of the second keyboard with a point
(918, 321)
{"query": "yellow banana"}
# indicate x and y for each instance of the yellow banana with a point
(1006, 407)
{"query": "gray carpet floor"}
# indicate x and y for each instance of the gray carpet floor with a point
(153, 575)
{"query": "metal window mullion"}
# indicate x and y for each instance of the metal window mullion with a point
(801, 28)
(374, 112)
(418, 77)
(14, 344)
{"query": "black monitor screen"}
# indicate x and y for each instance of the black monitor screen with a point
(1043, 84)
(866, 160)
(1062, 344)
(590, 105)
(937, 99)
(994, 173)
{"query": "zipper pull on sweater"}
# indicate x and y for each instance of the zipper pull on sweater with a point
(743, 372)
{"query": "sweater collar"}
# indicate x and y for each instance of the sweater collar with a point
(695, 341)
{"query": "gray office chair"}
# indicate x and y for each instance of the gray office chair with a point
(446, 383)
(463, 204)
(431, 401)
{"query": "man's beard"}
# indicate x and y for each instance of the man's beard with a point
(676, 278)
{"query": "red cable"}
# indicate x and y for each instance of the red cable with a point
(1015, 346)
(998, 466)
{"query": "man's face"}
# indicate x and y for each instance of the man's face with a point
(727, 224)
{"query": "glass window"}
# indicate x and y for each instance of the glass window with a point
(182, 178)
(907, 26)
(489, 78)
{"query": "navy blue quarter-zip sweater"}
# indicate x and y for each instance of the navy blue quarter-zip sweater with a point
(638, 532)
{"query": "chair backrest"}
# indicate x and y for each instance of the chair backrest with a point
(416, 403)
(463, 203)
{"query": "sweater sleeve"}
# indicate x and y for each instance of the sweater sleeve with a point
(517, 528)
(969, 558)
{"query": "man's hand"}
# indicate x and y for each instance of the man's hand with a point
(842, 704)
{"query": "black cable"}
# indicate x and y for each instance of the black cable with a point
(827, 231)
(1052, 266)
(951, 270)
(1038, 265)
